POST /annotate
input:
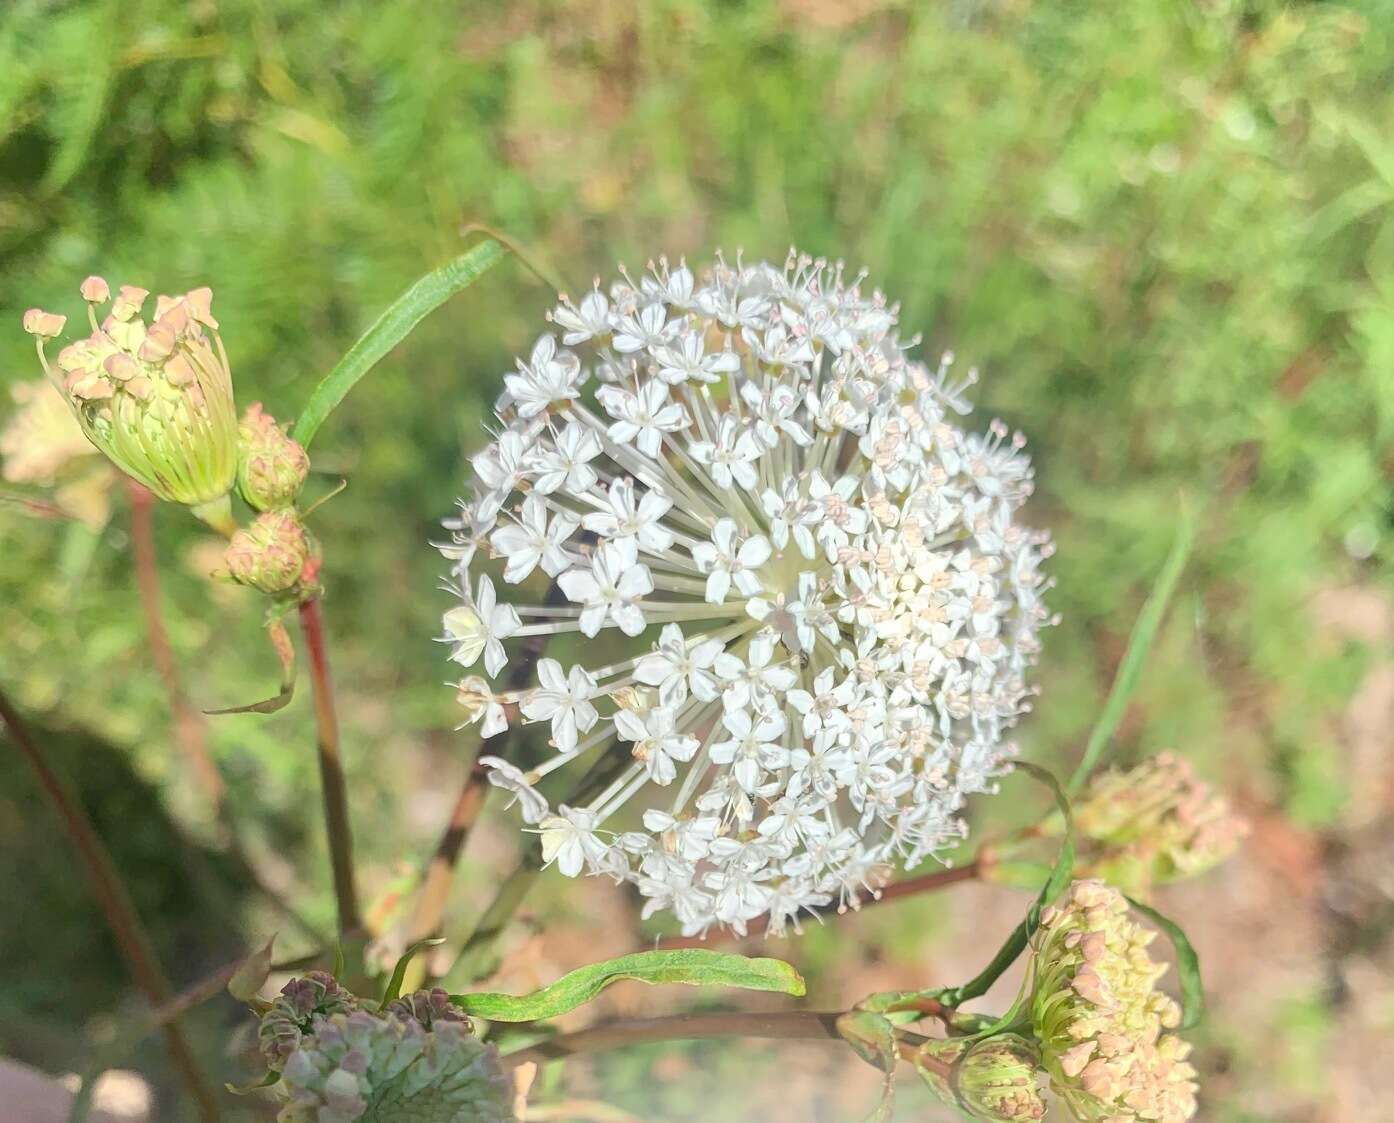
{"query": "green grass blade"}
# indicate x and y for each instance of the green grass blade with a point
(394, 325)
(692, 967)
(1139, 644)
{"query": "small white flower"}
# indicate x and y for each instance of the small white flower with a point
(567, 463)
(610, 588)
(565, 699)
(503, 775)
(686, 361)
(656, 742)
(482, 705)
(731, 456)
(547, 377)
(628, 520)
(591, 319)
(480, 628)
(755, 680)
(530, 540)
(728, 562)
(648, 328)
(676, 667)
(642, 417)
(751, 743)
(570, 839)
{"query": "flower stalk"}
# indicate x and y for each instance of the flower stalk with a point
(331, 770)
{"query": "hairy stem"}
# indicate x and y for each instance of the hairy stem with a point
(105, 882)
(331, 773)
(925, 883)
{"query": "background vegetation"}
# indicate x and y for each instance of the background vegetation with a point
(1164, 231)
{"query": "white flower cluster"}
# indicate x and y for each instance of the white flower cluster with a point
(823, 605)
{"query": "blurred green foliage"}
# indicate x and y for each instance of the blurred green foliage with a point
(1163, 230)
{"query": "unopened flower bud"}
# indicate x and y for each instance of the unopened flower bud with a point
(45, 325)
(275, 554)
(156, 400)
(95, 290)
(1153, 824)
(271, 466)
(994, 1080)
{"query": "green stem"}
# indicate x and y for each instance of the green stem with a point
(217, 513)
(105, 882)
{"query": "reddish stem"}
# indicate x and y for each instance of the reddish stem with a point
(104, 879)
(189, 729)
(331, 772)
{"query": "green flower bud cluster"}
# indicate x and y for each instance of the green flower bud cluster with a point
(1152, 824)
(272, 467)
(156, 399)
(992, 1080)
(416, 1061)
(1098, 1017)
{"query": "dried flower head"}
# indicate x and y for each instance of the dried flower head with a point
(271, 466)
(156, 399)
(274, 554)
(416, 1060)
(812, 606)
(1099, 1018)
(1155, 823)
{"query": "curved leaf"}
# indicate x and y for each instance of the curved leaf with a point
(1187, 965)
(690, 966)
(408, 310)
(399, 973)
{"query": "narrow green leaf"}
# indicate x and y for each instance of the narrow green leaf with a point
(399, 973)
(1187, 965)
(408, 310)
(691, 967)
(1139, 644)
(1021, 935)
(285, 653)
(252, 973)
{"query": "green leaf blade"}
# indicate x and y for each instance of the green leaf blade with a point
(1187, 964)
(394, 325)
(689, 967)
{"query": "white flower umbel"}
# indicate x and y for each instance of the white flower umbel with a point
(807, 606)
